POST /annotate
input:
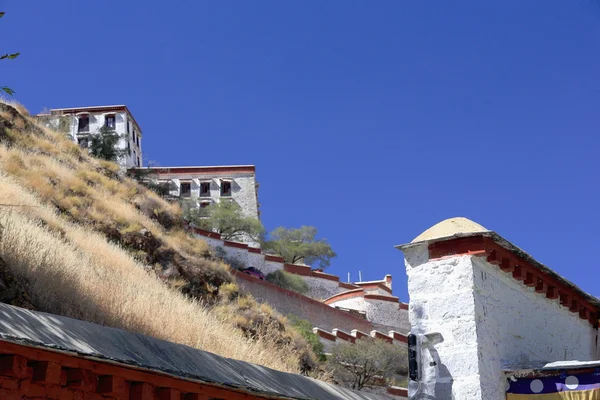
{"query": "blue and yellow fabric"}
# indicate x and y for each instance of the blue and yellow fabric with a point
(560, 387)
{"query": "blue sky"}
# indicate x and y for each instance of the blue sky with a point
(370, 120)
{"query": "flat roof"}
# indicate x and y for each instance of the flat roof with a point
(92, 109)
(200, 169)
(92, 341)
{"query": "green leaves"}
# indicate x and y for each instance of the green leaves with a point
(10, 56)
(2, 14)
(7, 90)
(300, 245)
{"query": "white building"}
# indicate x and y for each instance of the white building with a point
(211, 184)
(82, 122)
(487, 315)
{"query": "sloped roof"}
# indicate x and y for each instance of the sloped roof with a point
(63, 334)
(450, 227)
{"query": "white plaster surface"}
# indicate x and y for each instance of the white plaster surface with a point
(321, 289)
(488, 322)
(97, 121)
(380, 312)
(518, 328)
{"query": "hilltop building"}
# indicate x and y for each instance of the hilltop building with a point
(211, 184)
(83, 122)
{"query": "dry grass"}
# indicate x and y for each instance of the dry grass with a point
(61, 195)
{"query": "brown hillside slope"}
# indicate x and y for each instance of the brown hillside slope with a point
(90, 244)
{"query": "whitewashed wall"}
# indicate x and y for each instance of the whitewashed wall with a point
(97, 121)
(379, 312)
(518, 328)
(488, 322)
(243, 189)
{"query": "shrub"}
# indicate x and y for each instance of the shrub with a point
(288, 281)
(304, 328)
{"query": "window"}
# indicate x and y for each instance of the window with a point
(204, 204)
(133, 136)
(128, 148)
(109, 121)
(84, 124)
(139, 161)
(127, 123)
(138, 141)
(185, 189)
(205, 189)
(225, 188)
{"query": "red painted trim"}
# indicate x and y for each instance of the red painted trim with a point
(348, 285)
(254, 250)
(358, 334)
(343, 335)
(202, 232)
(374, 286)
(79, 376)
(323, 275)
(297, 269)
(382, 336)
(325, 335)
(235, 244)
(312, 302)
(344, 295)
(381, 297)
(403, 306)
(397, 391)
(165, 171)
(520, 269)
(269, 257)
(399, 336)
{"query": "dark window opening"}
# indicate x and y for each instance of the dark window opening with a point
(138, 140)
(109, 121)
(186, 189)
(127, 123)
(84, 124)
(139, 162)
(129, 148)
(205, 189)
(204, 204)
(133, 136)
(225, 188)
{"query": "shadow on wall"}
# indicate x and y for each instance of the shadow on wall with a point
(436, 380)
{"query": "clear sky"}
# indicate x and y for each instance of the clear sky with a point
(371, 120)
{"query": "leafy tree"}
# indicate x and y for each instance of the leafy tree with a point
(367, 361)
(149, 177)
(8, 56)
(288, 281)
(104, 144)
(300, 244)
(227, 219)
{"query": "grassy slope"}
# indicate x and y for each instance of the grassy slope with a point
(92, 245)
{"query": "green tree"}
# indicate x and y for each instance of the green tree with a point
(227, 219)
(8, 56)
(300, 244)
(104, 144)
(366, 362)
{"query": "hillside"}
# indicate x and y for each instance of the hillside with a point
(79, 240)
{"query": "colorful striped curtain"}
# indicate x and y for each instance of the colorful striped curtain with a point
(560, 387)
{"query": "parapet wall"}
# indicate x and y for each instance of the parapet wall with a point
(288, 302)
(372, 299)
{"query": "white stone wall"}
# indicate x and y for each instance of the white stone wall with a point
(488, 321)
(518, 328)
(379, 312)
(243, 188)
(321, 289)
(97, 121)
(442, 300)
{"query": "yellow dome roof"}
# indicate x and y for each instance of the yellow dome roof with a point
(450, 227)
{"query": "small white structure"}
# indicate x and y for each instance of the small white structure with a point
(82, 122)
(212, 184)
(482, 306)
